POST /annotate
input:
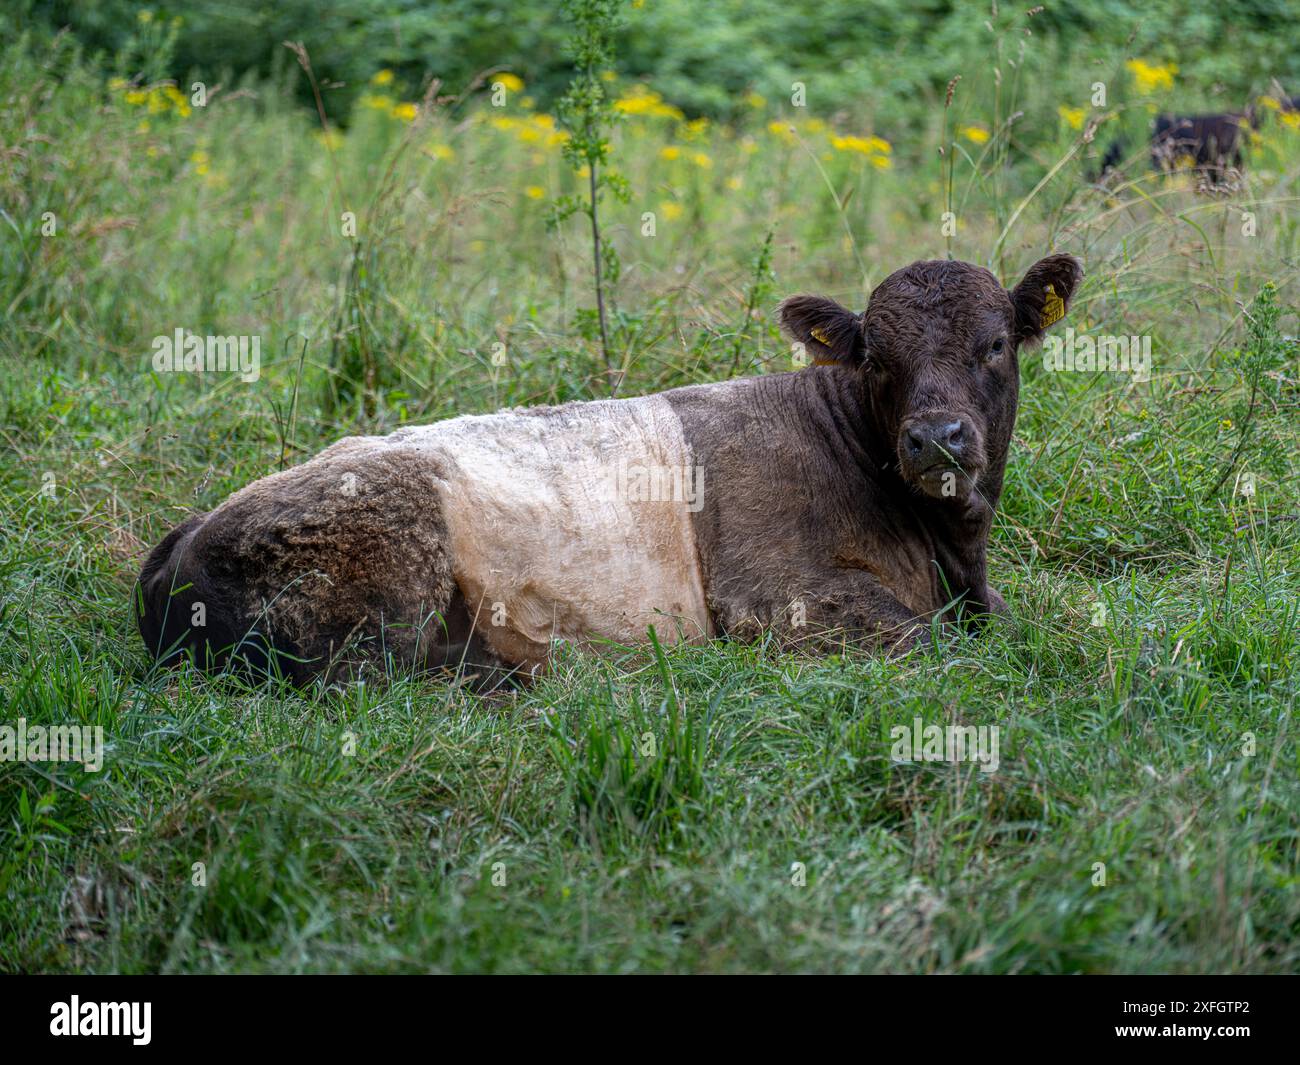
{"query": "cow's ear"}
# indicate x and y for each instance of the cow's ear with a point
(831, 333)
(1044, 295)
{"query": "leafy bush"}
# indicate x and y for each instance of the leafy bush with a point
(864, 57)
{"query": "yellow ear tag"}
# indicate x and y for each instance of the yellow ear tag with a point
(1053, 308)
(820, 334)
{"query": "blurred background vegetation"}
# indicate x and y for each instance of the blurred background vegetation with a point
(878, 56)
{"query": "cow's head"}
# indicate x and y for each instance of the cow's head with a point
(937, 350)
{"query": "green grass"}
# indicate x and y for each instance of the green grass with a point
(638, 810)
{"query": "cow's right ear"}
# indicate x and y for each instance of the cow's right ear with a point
(830, 333)
(1044, 295)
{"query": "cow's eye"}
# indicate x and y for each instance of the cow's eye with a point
(995, 349)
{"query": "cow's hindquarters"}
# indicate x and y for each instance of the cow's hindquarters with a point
(321, 569)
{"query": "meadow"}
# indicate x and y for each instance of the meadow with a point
(406, 260)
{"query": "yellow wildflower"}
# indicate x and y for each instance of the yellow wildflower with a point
(1071, 116)
(974, 134)
(535, 192)
(510, 82)
(382, 77)
(1152, 77)
(640, 100)
(862, 145)
(670, 152)
(696, 129)
(671, 211)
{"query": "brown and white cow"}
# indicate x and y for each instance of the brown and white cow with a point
(853, 497)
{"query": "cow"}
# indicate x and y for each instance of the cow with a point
(1210, 142)
(848, 500)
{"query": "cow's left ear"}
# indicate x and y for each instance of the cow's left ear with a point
(1044, 295)
(831, 333)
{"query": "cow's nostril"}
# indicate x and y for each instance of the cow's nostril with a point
(954, 433)
(915, 440)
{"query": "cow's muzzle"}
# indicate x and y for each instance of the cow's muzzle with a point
(940, 454)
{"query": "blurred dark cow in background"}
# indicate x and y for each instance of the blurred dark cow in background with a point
(1211, 143)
